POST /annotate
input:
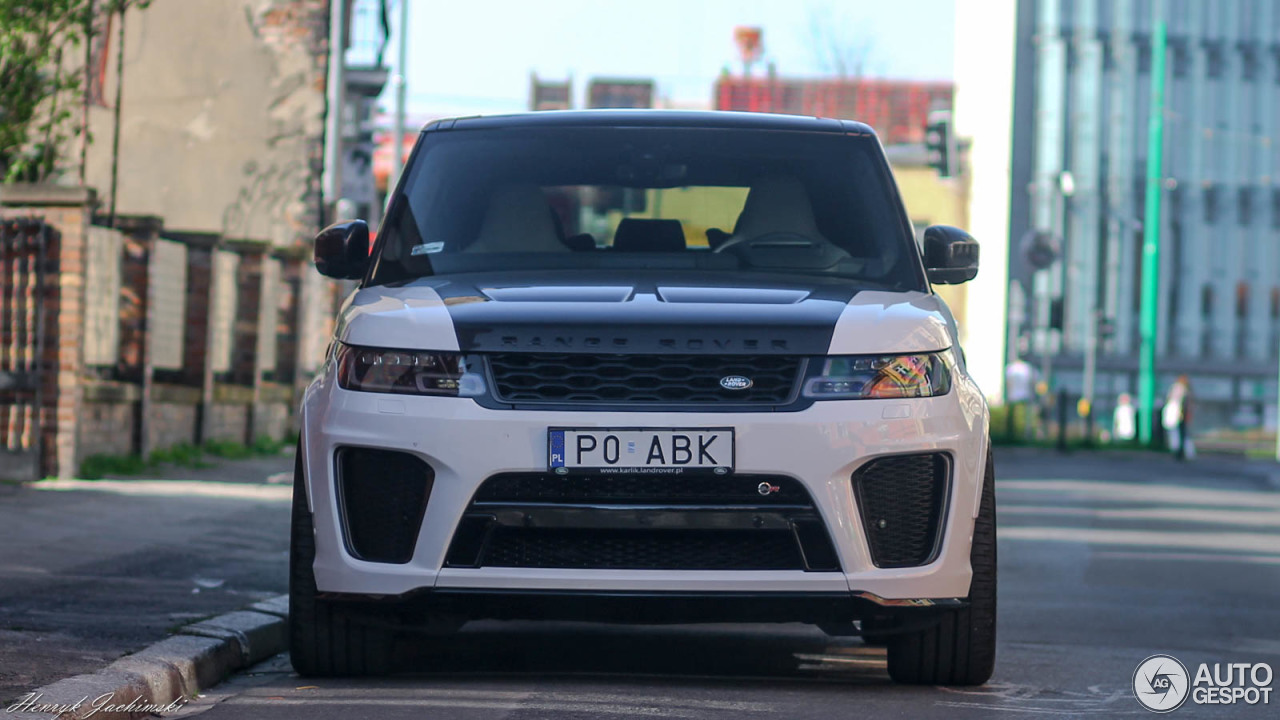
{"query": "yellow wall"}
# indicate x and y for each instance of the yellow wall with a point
(932, 200)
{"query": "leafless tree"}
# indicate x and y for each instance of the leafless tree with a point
(840, 46)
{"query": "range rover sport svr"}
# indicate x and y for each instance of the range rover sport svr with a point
(645, 367)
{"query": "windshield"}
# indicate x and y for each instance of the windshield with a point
(586, 199)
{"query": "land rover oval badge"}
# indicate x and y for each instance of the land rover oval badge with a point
(735, 382)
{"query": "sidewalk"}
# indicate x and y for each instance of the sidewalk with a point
(92, 570)
(1227, 471)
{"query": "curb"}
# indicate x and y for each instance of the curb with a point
(173, 670)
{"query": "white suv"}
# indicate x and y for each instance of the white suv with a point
(639, 366)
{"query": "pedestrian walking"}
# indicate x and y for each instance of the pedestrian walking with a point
(1176, 418)
(1124, 421)
(1020, 391)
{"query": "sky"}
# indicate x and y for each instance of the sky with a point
(476, 57)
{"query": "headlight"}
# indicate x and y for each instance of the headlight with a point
(849, 377)
(408, 372)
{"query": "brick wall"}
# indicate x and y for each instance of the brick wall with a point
(172, 424)
(245, 330)
(65, 210)
(194, 342)
(133, 305)
(106, 428)
(271, 419)
(228, 421)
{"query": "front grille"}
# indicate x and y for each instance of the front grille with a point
(662, 379)
(382, 495)
(637, 489)
(644, 549)
(901, 500)
(643, 522)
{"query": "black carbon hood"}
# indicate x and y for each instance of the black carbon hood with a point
(664, 312)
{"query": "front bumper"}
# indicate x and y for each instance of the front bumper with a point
(820, 447)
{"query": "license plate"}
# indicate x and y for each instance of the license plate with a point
(638, 450)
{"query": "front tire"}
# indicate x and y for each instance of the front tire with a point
(325, 639)
(961, 649)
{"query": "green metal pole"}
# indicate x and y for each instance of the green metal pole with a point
(1151, 241)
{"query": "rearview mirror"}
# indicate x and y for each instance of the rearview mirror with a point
(342, 250)
(950, 255)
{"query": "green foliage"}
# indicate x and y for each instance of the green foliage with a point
(266, 445)
(183, 455)
(96, 467)
(227, 449)
(41, 74)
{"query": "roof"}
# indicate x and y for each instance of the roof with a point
(653, 118)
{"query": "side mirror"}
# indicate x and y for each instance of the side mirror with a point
(342, 250)
(950, 255)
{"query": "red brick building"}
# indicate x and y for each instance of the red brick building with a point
(895, 108)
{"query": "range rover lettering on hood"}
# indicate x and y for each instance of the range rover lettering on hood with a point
(623, 343)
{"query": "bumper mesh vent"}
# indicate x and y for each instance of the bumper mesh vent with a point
(382, 495)
(628, 489)
(643, 522)
(659, 379)
(644, 550)
(901, 500)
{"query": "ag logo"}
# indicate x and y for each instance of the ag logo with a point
(1161, 683)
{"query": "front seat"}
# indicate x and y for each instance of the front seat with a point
(518, 220)
(775, 204)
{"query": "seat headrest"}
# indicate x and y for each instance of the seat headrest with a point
(518, 219)
(777, 203)
(642, 235)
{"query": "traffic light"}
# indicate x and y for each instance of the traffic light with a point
(940, 143)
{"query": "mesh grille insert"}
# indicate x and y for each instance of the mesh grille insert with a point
(382, 496)
(901, 500)
(643, 522)
(675, 379)
(643, 550)
(624, 489)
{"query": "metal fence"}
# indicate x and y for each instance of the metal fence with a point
(25, 293)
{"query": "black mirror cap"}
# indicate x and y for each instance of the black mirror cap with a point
(950, 255)
(342, 250)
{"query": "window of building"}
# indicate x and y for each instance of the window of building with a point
(1242, 315)
(1250, 66)
(1275, 208)
(1215, 60)
(1275, 321)
(1206, 314)
(1181, 56)
(1210, 204)
(1244, 205)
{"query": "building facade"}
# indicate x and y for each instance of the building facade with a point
(1081, 89)
(897, 109)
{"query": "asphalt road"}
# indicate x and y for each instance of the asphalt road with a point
(1104, 560)
(90, 571)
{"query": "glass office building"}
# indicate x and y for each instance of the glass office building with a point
(1082, 90)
